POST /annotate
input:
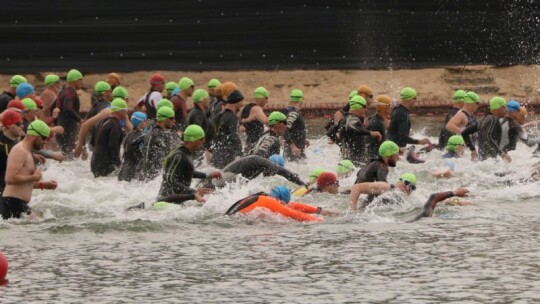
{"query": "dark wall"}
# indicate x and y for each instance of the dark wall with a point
(103, 36)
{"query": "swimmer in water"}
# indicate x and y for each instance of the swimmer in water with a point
(455, 148)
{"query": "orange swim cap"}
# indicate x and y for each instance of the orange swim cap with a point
(228, 88)
(365, 89)
(219, 90)
(382, 101)
(113, 79)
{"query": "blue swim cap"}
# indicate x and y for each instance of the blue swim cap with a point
(281, 193)
(24, 89)
(137, 118)
(513, 106)
(175, 92)
(278, 160)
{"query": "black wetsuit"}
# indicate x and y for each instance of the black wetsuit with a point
(353, 138)
(5, 98)
(252, 166)
(225, 136)
(254, 129)
(178, 172)
(431, 203)
(511, 132)
(400, 127)
(267, 145)
(133, 154)
(151, 112)
(296, 134)
(6, 145)
(69, 104)
(107, 142)
(375, 124)
(489, 136)
(97, 107)
(199, 117)
(157, 143)
(13, 207)
(215, 107)
(375, 171)
(444, 135)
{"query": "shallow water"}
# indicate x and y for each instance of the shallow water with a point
(88, 249)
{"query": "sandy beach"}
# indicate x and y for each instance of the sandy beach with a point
(324, 87)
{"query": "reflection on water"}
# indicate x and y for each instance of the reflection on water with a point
(87, 249)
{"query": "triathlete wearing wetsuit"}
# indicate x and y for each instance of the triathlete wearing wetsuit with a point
(132, 155)
(157, 143)
(107, 142)
(180, 110)
(353, 136)
(489, 136)
(431, 203)
(226, 144)
(254, 129)
(511, 132)
(69, 104)
(177, 174)
(267, 145)
(296, 134)
(375, 124)
(253, 165)
(400, 127)
(375, 171)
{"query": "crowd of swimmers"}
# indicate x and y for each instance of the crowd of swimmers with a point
(159, 136)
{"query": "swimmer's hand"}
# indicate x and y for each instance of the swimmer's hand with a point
(51, 185)
(215, 174)
(295, 150)
(202, 191)
(59, 157)
(37, 175)
(39, 158)
(474, 155)
(461, 192)
(506, 157)
(200, 199)
(328, 213)
(78, 150)
(376, 135)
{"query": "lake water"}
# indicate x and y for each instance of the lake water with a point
(87, 249)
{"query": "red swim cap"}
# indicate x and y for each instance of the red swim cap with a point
(157, 79)
(326, 179)
(39, 102)
(15, 103)
(10, 117)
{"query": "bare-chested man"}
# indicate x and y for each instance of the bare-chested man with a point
(21, 173)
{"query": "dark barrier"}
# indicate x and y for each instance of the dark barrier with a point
(103, 36)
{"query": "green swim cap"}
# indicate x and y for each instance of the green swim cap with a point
(471, 97)
(74, 75)
(407, 93)
(345, 166)
(120, 92)
(496, 103)
(459, 95)
(193, 133)
(118, 104)
(297, 95)
(213, 83)
(164, 103)
(388, 148)
(102, 86)
(164, 113)
(352, 94)
(199, 95)
(453, 142)
(276, 117)
(161, 205)
(357, 102)
(260, 92)
(16, 80)
(411, 178)
(51, 79)
(185, 83)
(170, 86)
(38, 128)
(315, 174)
(29, 104)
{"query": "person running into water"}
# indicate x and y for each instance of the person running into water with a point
(379, 122)
(108, 140)
(226, 144)
(169, 88)
(457, 104)
(278, 201)
(464, 117)
(511, 126)
(489, 132)
(12, 131)
(400, 121)
(49, 95)
(9, 94)
(253, 165)
(345, 168)
(212, 85)
(253, 119)
(455, 148)
(269, 143)
(133, 152)
(69, 105)
(186, 87)
(157, 143)
(148, 102)
(296, 137)
(353, 134)
(113, 80)
(22, 175)
(327, 182)
(179, 170)
(365, 92)
(377, 169)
